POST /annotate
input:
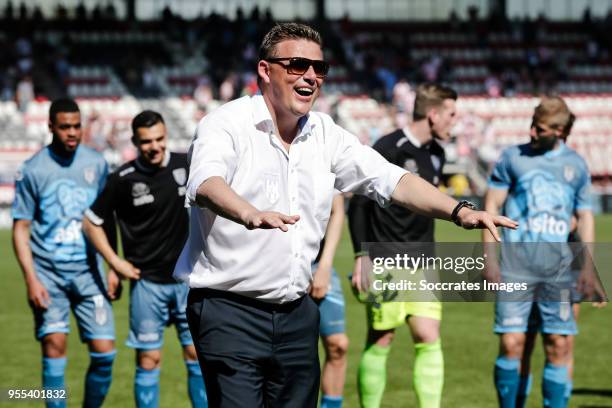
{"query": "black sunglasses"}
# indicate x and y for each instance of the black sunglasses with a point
(299, 66)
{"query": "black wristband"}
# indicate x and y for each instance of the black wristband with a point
(458, 207)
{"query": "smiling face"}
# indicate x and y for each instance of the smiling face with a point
(151, 143)
(291, 95)
(66, 130)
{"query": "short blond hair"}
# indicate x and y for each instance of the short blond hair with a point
(430, 95)
(554, 112)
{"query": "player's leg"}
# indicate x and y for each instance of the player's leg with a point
(557, 325)
(428, 377)
(195, 380)
(382, 319)
(570, 363)
(526, 379)
(511, 319)
(335, 342)
(52, 327)
(94, 315)
(149, 315)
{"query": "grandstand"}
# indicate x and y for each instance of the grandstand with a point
(184, 62)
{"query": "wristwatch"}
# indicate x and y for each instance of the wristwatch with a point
(455, 213)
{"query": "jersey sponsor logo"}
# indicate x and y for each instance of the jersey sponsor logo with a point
(272, 187)
(568, 173)
(180, 176)
(547, 224)
(140, 192)
(89, 174)
(127, 171)
(69, 234)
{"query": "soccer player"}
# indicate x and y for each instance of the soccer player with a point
(61, 271)
(326, 290)
(416, 149)
(543, 183)
(146, 195)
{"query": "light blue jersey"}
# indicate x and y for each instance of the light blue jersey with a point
(53, 192)
(544, 191)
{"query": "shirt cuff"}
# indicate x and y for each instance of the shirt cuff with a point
(392, 176)
(91, 216)
(200, 176)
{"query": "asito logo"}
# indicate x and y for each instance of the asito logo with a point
(547, 224)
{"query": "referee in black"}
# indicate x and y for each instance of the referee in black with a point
(146, 197)
(416, 149)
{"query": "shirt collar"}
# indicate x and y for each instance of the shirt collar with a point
(556, 152)
(148, 169)
(412, 138)
(263, 120)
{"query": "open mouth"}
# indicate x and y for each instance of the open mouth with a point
(304, 91)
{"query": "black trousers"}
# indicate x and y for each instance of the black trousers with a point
(255, 354)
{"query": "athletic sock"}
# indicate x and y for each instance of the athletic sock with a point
(372, 375)
(146, 388)
(568, 392)
(524, 389)
(98, 378)
(195, 385)
(428, 374)
(328, 401)
(507, 380)
(53, 379)
(554, 384)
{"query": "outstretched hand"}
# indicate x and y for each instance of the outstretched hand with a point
(470, 219)
(269, 220)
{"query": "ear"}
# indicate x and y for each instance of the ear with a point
(263, 70)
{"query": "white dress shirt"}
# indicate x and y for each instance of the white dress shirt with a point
(238, 142)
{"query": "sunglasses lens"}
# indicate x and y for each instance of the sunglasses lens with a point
(299, 65)
(320, 67)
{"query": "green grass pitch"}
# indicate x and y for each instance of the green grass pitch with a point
(469, 346)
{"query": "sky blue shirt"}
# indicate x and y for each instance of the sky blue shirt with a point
(544, 191)
(53, 192)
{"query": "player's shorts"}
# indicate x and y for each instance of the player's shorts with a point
(153, 306)
(85, 294)
(391, 315)
(331, 308)
(544, 316)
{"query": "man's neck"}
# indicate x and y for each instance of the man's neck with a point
(287, 127)
(58, 149)
(421, 131)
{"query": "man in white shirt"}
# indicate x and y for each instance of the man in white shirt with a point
(253, 162)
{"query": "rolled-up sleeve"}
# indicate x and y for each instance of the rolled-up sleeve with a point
(362, 170)
(212, 153)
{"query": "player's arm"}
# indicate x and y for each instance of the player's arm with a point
(359, 219)
(37, 293)
(96, 235)
(421, 197)
(588, 282)
(333, 233)
(493, 202)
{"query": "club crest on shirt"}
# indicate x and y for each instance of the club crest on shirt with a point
(272, 187)
(411, 166)
(89, 173)
(568, 173)
(180, 176)
(140, 192)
